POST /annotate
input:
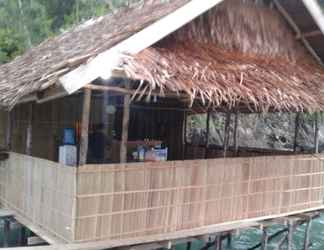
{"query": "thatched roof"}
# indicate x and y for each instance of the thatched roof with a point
(238, 53)
(41, 66)
(235, 54)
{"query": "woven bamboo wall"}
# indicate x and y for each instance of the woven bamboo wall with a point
(124, 201)
(131, 200)
(41, 192)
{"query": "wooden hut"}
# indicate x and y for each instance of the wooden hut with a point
(142, 76)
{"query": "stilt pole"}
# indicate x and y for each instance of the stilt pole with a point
(307, 233)
(22, 236)
(218, 242)
(189, 245)
(264, 240)
(6, 233)
(85, 127)
(290, 234)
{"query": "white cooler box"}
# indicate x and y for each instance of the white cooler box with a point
(68, 155)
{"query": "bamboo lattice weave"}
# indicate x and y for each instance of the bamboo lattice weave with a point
(113, 202)
(133, 200)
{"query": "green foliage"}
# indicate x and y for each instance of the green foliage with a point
(26, 23)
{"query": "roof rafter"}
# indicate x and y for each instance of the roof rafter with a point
(296, 29)
(309, 34)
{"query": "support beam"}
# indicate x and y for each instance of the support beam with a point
(85, 127)
(235, 135)
(184, 136)
(135, 92)
(297, 121)
(207, 134)
(316, 132)
(296, 29)
(309, 34)
(124, 139)
(227, 133)
(29, 130)
(9, 130)
(107, 61)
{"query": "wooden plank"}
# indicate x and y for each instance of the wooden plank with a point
(107, 61)
(85, 127)
(98, 245)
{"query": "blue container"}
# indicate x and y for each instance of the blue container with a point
(68, 136)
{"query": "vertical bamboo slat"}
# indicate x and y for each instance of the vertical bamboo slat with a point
(155, 198)
(41, 192)
(97, 202)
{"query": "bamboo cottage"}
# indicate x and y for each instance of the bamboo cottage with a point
(110, 127)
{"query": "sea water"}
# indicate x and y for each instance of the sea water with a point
(243, 240)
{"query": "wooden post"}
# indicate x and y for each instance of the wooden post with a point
(207, 134)
(227, 132)
(9, 131)
(290, 234)
(184, 149)
(124, 139)
(218, 242)
(22, 236)
(264, 240)
(29, 130)
(316, 137)
(188, 245)
(297, 121)
(235, 135)
(307, 234)
(85, 127)
(6, 233)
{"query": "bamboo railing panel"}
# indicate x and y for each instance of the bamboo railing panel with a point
(41, 192)
(125, 201)
(140, 199)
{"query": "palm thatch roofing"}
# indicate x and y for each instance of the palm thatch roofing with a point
(41, 66)
(239, 53)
